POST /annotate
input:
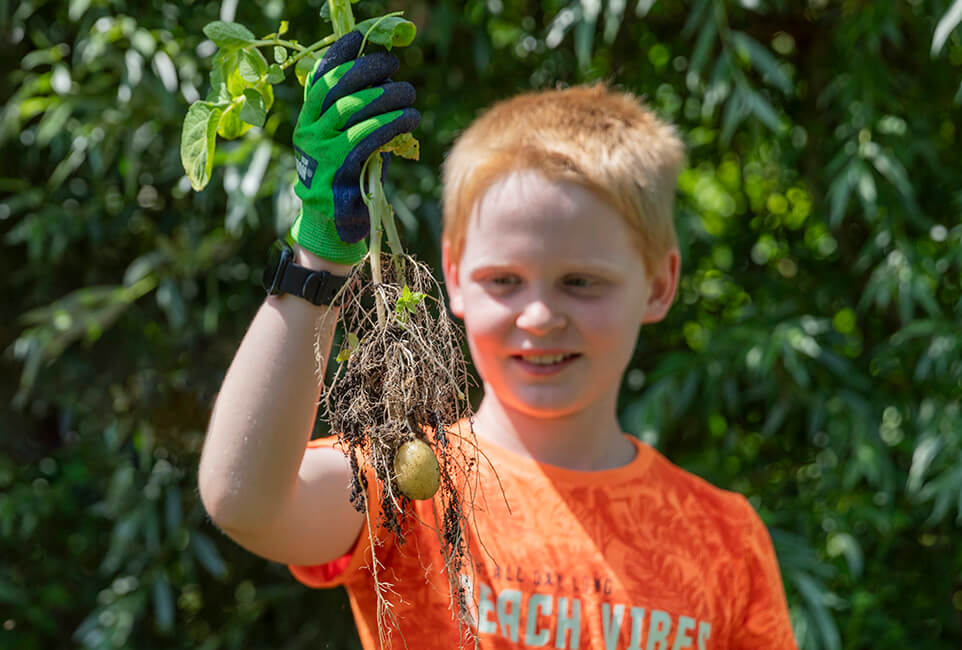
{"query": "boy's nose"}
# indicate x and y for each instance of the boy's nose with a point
(538, 318)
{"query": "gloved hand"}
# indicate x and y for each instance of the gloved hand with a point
(351, 108)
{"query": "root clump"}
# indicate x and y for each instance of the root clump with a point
(404, 378)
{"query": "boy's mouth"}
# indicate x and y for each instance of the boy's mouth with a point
(541, 363)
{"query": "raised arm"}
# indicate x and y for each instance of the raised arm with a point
(257, 480)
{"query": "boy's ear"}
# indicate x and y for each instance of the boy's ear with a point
(664, 284)
(451, 281)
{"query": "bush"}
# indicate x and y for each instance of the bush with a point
(813, 360)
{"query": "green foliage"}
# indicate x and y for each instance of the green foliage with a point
(242, 82)
(407, 303)
(352, 343)
(812, 361)
(389, 31)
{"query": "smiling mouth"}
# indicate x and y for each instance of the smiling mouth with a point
(545, 360)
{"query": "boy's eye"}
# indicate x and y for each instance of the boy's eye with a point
(504, 280)
(579, 282)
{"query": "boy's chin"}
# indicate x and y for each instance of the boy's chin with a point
(544, 404)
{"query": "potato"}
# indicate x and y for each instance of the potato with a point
(416, 467)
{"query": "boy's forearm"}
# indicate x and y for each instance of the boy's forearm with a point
(264, 413)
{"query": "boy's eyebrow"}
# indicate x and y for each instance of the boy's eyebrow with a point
(598, 266)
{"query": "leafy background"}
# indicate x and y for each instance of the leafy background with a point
(813, 360)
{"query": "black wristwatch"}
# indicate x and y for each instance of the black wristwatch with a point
(282, 275)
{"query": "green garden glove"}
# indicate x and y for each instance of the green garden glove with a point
(351, 109)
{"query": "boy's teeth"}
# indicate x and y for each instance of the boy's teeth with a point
(545, 359)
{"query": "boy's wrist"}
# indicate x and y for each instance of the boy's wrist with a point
(318, 235)
(303, 257)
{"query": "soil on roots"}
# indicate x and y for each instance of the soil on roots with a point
(406, 378)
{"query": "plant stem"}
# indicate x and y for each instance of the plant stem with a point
(380, 210)
(315, 46)
(341, 16)
(291, 45)
(371, 176)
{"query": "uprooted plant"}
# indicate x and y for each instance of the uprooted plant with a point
(402, 380)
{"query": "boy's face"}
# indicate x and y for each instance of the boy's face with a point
(548, 270)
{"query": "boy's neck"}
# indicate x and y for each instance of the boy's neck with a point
(584, 441)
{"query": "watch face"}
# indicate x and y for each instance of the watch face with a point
(277, 259)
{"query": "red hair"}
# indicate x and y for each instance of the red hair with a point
(603, 140)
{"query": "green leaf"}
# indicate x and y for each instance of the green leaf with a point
(695, 16)
(231, 126)
(706, 39)
(889, 167)
(197, 142)
(304, 67)
(404, 145)
(763, 110)
(253, 111)
(762, 60)
(813, 596)
(225, 71)
(949, 21)
(735, 111)
(283, 28)
(206, 552)
(614, 15)
(252, 66)
(163, 602)
(585, 39)
(280, 54)
(275, 74)
(839, 191)
(390, 31)
(348, 349)
(228, 35)
(218, 92)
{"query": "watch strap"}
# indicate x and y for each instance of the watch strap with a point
(317, 287)
(284, 276)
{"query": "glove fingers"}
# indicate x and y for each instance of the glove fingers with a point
(369, 70)
(351, 217)
(346, 79)
(343, 50)
(376, 132)
(365, 104)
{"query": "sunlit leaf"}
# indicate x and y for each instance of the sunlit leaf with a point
(304, 66)
(197, 141)
(949, 21)
(392, 31)
(252, 66)
(925, 452)
(228, 35)
(254, 110)
(815, 598)
(275, 74)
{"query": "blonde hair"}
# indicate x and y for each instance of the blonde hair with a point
(603, 140)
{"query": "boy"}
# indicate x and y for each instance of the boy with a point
(558, 245)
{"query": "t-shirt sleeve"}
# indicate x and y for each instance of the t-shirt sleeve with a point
(342, 570)
(765, 623)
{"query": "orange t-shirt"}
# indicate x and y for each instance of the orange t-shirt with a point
(641, 557)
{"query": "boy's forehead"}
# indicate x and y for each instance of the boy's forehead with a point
(526, 217)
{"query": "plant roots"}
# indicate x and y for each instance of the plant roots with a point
(405, 378)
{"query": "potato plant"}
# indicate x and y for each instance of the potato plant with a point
(402, 380)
